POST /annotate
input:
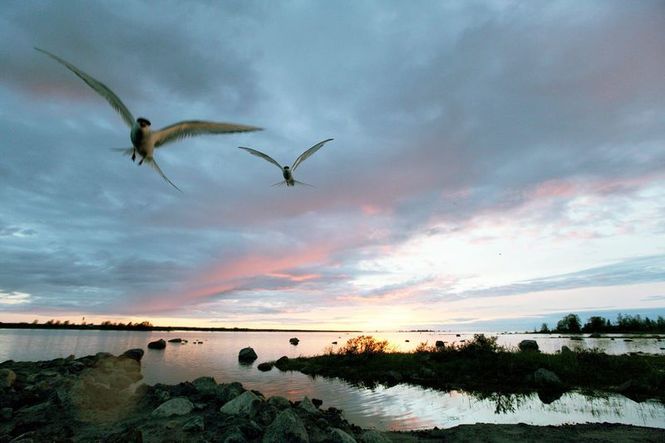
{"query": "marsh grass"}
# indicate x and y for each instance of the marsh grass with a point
(483, 366)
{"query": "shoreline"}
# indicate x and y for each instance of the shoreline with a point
(139, 328)
(100, 398)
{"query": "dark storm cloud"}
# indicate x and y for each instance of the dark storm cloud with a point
(140, 50)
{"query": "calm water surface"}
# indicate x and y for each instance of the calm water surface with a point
(399, 407)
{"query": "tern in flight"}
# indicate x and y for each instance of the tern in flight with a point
(287, 172)
(144, 140)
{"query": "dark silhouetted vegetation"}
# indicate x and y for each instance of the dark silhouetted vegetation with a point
(628, 324)
(570, 323)
(480, 365)
(142, 326)
(364, 345)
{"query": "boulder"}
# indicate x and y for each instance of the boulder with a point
(594, 335)
(279, 402)
(339, 436)
(7, 378)
(287, 426)
(175, 340)
(548, 396)
(194, 424)
(282, 363)
(317, 402)
(565, 350)
(307, 405)
(175, 406)
(157, 344)
(134, 354)
(205, 385)
(440, 344)
(227, 392)
(247, 355)
(264, 367)
(528, 346)
(294, 340)
(545, 378)
(246, 403)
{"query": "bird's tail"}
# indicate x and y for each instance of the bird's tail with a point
(303, 183)
(280, 183)
(124, 151)
(153, 164)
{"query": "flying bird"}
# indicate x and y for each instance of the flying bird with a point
(144, 140)
(287, 172)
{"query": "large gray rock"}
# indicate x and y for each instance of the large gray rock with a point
(175, 406)
(545, 378)
(339, 436)
(307, 405)
(229, 391)
(7, 378)
(279, 402)
(205, 385)
(294, 340)
(287, 427)
(246, 404)
(247, 355)
(194, 424)
(565, 350)
(157, 344)
(528, 346)
(134, 354)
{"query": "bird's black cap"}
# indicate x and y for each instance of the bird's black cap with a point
(143, 120)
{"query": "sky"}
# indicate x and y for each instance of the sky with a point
(495, 164)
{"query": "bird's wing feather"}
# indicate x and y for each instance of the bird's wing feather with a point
(262, 155)
(153, 164)
(125, 151)
(305, 155)
(191, 128)
(99, 87)
(282, 183)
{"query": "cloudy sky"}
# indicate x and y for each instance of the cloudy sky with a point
(493, 163)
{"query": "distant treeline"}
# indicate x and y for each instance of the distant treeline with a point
(623, 324)
(142, 326)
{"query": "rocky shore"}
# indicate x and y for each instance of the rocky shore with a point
(100, 398)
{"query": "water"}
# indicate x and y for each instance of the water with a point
(399, 407)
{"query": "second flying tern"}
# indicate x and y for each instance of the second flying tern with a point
(287, 172)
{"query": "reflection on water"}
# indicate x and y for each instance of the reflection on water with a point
(399, 407)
